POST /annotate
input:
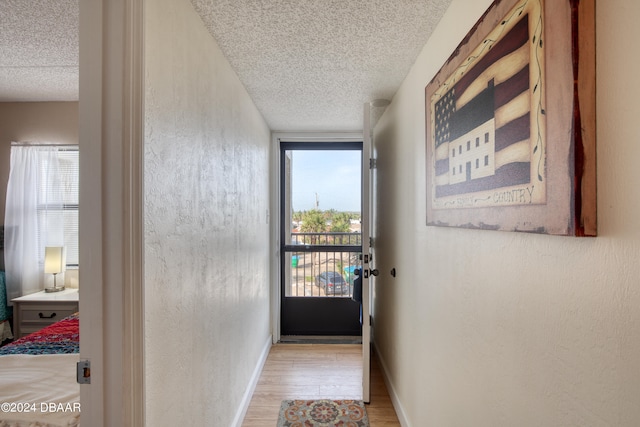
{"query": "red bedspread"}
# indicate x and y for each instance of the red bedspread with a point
(59, 337)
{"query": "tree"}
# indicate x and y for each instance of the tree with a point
(341, 223)
(313, 221)
(329, 214)
(297, 216)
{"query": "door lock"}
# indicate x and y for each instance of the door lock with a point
(367, 272)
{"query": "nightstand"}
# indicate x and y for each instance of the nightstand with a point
(35, 311)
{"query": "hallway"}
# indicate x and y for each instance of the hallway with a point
(315, 371)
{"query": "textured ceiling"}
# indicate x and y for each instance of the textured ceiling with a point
(309, 65)
(38, 50)
(312, 64)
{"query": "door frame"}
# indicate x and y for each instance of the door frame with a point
(277, 138)
(111, 138)
(308, 310)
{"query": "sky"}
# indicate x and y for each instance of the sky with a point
(333, 175)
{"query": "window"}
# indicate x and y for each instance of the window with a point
(486, 137)
(486, 160)
(468, 145)
(41, 210)
(477, 142)
(477, 163)
(58, 208)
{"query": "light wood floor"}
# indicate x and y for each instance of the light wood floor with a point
(317, 371)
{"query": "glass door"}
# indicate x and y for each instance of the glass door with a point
(321, 240)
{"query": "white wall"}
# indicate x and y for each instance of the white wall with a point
(206, 231)
(484, 328)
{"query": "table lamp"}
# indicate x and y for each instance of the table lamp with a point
(54, 263)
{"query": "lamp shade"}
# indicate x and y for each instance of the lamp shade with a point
(54, 259)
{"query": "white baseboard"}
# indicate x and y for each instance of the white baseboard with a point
(248, 394)
(395, 400)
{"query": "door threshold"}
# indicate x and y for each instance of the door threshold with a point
(320, 339)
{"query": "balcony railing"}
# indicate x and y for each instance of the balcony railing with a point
(321, 264)
(327, 239)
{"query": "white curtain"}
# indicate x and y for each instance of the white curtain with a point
(30, 224)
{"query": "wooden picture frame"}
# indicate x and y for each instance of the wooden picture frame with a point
(510, 122)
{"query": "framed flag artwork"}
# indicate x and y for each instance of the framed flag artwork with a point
(510, 122)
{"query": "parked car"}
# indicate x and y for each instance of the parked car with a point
(332, 283)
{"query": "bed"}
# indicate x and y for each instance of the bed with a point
(38, 386)
(57, 338)
(5, 311)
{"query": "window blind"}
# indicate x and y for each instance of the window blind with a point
(59, 207)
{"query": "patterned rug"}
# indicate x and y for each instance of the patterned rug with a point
(322, 413)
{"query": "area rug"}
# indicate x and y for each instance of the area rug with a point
(322, 413)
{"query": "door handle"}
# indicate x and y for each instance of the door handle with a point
(368, 272)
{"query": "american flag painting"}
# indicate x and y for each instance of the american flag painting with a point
(510, 121)
(487, 119)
